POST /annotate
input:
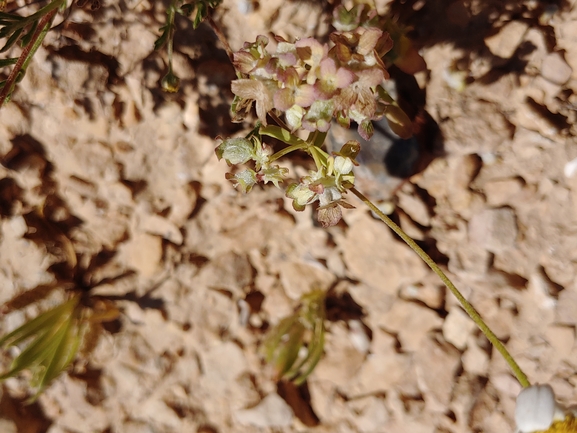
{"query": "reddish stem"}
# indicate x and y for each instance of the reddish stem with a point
(11, 80)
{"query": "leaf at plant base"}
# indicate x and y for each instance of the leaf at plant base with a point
(282, 345)
(40, 348)
(186, 9)
(399, 121)
(275, 336)
(6, 18)
(28, 329)
(64, 354)
(313, 313)
(289, 350)
(315, 352)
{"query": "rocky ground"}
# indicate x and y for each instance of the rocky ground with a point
(128, 174)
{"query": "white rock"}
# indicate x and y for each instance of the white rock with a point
(143, 253)
(374, 415)
(223, 364)
(7, 426)
(272, 411)
(556, 69)
(494, 229)
(457, 327)
(570, 168)
(411, 322)
(475, 360)
(504, 43)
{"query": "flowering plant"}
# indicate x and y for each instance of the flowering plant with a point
(306, 86)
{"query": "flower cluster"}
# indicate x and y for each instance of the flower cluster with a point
(242, 150)
(403, 54)
(334, 174)
(537, 411)
(327, 186)
(314, 83)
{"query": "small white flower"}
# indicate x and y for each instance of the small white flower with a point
(343, 165)
(537, 409)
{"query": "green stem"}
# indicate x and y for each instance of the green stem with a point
(287, 150)
(521, 377)
(169, 45)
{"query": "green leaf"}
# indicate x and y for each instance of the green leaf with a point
(235, 150)
(37, 351)
(25, 40)
(10, 18)
(11, 40)
(281, 134)
(314, 356)
(186, 9)
(29, 329)
(201, 13)
(283, 345)
(275, 336)
(245, 179)
(65, 351)
(161, 41)
(8, 62)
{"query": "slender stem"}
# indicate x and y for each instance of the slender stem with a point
(521, 377)
(278, 120)
(27, 53)
(170, 43)
(221, 37)
(287, 150)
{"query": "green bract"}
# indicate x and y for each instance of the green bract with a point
(235, 151)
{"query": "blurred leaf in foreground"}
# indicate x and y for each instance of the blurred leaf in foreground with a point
(295, 346)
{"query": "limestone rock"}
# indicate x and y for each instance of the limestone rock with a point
(494, 229)
(556, 69)
(272, 411)
(504, 43)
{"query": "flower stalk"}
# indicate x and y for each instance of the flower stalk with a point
(475, 316)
